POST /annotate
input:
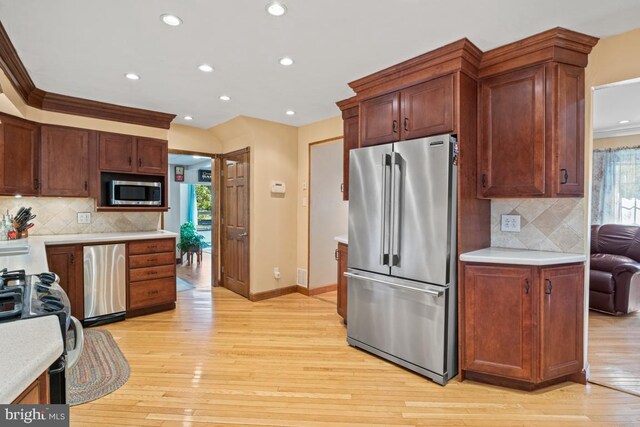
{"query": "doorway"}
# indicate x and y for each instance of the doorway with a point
(192, 198)
(328, 216)
(614, 340)
(234, 221)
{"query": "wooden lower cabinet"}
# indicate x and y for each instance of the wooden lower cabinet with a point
(521, 326)
(37, 393)
(151, 284)
(66, 262)
(342, 281)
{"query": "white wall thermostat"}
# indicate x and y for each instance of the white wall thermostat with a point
(278, 187)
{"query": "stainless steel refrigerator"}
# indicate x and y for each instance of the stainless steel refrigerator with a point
(402, 254)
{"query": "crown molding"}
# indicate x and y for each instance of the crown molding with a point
(17, 74)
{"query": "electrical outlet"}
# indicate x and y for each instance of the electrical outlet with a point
(510, 223)
(276, 273)
(84, 217)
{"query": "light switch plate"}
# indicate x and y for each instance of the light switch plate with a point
(84, 217)
(510, 223)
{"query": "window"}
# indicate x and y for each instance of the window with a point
(616, 186)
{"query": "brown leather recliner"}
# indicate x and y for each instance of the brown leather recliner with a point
(614, 281)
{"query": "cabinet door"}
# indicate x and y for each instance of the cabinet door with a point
(350, 141)
(498, 321)
(116, 152)
(18, 158)
(342, 281)
(427, 108)
(152, 156)
(379, 120)
(512, 136)
(64, 162)
(66, 262)
(565, 106)
(561, 321)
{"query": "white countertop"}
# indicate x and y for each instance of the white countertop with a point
(521, 256)
(343, 238)
(29, 347)
(36, 260)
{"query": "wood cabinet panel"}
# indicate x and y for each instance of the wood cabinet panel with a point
(342, 252)
(561, 321)
(151, 293)
(512, 138)
(379, 120)
(427, 108)
(498, 321)
(66, 262)
(155, 272)
(116, 152)
(151, 246)
(64, 161)
(139, 261)
(350, 141)
(565, 106)
(37, 393)
(19, 157)
(152, 156)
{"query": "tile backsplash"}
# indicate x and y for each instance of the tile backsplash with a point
(58, 215)
(555, 225)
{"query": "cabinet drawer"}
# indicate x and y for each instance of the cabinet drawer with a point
(151, 246)
(150, 260)
(152, 292)
(138, 274)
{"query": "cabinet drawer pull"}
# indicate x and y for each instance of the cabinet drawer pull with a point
(152, 247)
(565, 176)
(152, 272)
(153, 259)
(526, 286)
(549, 287)
(406, 123)
(394, 127)
(153, 292)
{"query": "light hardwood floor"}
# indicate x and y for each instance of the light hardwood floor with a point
(614, 350)
(219, 359)
(198, 275)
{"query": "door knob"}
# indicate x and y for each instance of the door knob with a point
(243, 235)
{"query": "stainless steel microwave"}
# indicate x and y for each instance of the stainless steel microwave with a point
(134, 193)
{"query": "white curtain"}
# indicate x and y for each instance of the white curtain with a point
(616, 186)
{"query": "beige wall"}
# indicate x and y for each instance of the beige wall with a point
(188, 138)
(274, 156)
(314, 132)
(612, 60)
(617, 142)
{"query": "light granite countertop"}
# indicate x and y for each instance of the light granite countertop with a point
(36, 260)
(521, 257)
(29, 347)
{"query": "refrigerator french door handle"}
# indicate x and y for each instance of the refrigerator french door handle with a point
(396, 285)
(396, 179)
(385, 240)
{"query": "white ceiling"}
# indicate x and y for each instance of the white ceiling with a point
(84, 47)
(187, 160)
(614, 103)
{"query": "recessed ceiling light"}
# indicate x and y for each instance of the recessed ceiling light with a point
(171, 20)
(132, 76)
(188, 118)
(225, 98)
(205, 67)
(18, 196)
(624, 122)
(276, 9)
(290, 112)
(286, 61)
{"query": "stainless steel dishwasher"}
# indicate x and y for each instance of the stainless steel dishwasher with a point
(105, 292)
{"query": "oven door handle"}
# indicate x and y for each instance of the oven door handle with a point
(73, 356)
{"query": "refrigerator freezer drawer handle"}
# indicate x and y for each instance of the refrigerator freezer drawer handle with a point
(396, 285)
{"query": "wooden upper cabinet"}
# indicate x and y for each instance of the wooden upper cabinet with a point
(350, 141)
(116, 152)
(152, 156)
(427, 108)
(512, 136)
(561, 321)
(19, 157)
(498, 326)
(126, 153)
(64, 161)
(565, 101)
(379, 120)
